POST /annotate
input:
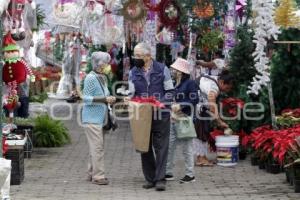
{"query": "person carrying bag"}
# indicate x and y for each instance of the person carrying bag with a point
(182, 126)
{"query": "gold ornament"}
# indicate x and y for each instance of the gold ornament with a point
(285, 15)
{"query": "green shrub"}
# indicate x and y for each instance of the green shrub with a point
(50, 133)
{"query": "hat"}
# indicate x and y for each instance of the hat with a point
(181, 65)
(9, 44)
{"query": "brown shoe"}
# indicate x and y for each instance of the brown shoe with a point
(103, 181)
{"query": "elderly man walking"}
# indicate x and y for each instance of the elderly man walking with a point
(151, 78)
(96, 97)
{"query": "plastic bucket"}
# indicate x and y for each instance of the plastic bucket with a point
(227, 150)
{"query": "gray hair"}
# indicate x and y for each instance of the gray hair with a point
(99, 58)
(146, 48)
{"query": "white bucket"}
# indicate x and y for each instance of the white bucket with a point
(227, 150)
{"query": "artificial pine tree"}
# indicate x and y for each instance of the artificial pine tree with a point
(285, 71)
(241, 62)
(285, 14)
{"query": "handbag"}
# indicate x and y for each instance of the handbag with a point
(184, 127)
(109, 123)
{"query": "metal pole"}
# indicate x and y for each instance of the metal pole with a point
(272, 106)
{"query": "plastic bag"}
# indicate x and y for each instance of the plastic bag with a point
(5, 170)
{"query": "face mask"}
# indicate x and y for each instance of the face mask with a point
(139, 63)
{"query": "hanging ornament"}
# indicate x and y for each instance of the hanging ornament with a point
(285, 14)
(134, 11)
(67, 12)
(151, 7)
(169, 14)
(14, 18)
(204, 9)
(240, 8)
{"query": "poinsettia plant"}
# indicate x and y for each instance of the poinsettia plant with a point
(282, 145)
(231, 105)
(289, 117)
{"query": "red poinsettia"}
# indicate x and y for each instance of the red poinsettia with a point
(278, 143)
(232, 104)
(151, 100)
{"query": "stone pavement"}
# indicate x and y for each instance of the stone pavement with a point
(59, 174)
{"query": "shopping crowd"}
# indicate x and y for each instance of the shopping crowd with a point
(185, 98)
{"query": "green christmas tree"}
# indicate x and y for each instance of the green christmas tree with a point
(242, 61)
(285, 71)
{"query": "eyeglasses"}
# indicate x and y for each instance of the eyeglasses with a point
(137, 56)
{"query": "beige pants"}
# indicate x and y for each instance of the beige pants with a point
(95, 137)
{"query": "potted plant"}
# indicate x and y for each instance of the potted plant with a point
(50, 133)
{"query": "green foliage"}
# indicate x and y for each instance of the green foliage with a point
(50, 133)
(211, 40)
(40, 98)
(241, 59)
(285, 71)
(41, 16)
(22, 121)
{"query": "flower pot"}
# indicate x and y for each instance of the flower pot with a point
(291, 175)
(274, 168)
(242, 155)
(254, 160)
(287, 174)
(297, 185)
(261, 164)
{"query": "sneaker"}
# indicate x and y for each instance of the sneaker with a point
(169, 178)
(160, 186)
(103, 181)
(187, 179)
(148, 185)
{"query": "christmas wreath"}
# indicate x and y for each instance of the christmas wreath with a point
(134, 11)
(169, 14)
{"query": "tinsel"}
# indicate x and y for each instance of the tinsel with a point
(265, 29)
(229, 28)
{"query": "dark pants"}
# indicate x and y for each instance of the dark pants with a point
(155, 160)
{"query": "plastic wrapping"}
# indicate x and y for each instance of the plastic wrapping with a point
(5, 170)
(67, 12)
(70, 69)
(100, 26)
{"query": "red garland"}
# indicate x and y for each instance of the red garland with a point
(164, 19)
